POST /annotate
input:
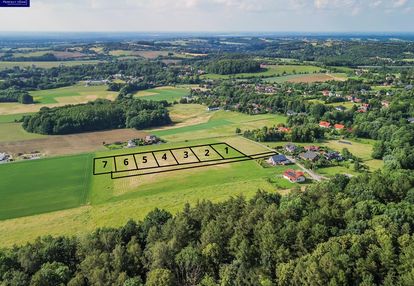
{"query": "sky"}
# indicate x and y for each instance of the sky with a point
(212, 16)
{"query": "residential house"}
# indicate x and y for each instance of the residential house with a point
(409, 87)
(290, 147)
(4, 158)
(290, 113)
(324, 124)
(340, 108)
(294, 176)
(333, 156)
(151, 139)
(131, 144)
(312, 148)
(279, 160)
(339, 126)
(284, 129)
(325, 92)
(309, 156)
(411, 120)
(385, 103)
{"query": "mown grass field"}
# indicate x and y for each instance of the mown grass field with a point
(15, 132)
(270, 71)
(167, 93)
(308, 78)
(12, 117)
(73, 94)
(112, 202)
(7, 65)
(39, 186)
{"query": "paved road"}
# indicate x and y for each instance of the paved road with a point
(311, 173)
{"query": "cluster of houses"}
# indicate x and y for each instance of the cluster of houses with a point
(313, 153)
(326, 124)
(290, 174)
(4, 158)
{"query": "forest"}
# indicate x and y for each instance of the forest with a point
(97, 115)
(356, 231)
(233, 66)
(15, 95)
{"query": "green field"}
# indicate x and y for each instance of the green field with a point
(38, 186)
(78, 92)
(12, 117)
(15, 132)
(271, 71)
(7, 65)
(312, 77)
(169, 94)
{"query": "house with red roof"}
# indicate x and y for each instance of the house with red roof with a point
(294, 176)
(324, 124)
(339, 126)
(284, 129)
(312, 148)
(325, 92)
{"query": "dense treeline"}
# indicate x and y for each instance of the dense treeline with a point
(233, 66)
(98, 115)
(15, 95)
(357, 231)
(298, 133)
(145, 72)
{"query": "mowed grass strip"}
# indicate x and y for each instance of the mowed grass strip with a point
(10, 118)
(46, 185)
(169, 94)
(84, 93)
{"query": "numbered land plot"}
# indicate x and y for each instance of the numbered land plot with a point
(185, 156)
(125, 163)
(104, 165)
(146, 161)
(206, 153)
(165, 158)
(227, 151)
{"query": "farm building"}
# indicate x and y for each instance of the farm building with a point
(294, 176)
(151, 139)
(279, 160)
(324, 124)
(131, 144)
(290, 148)
(211, 108)
(309, 156)
(4, 158)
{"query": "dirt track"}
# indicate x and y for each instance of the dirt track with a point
(71, 144)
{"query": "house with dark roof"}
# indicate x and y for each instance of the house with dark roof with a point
(309, 156)
(294, 176)
(333, 156)
(290, 147)
(279, 160)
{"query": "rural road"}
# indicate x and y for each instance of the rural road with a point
(311, 173)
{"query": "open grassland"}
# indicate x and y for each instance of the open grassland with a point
(78, 93)
(167, 93)
(308, 78)
(7, 65)
(143, 54)
(19, 141)
(40, 186)
(221, 123)
(75, 94)
(114, 202)
(14, 132)
(12, 117)
(270, 71)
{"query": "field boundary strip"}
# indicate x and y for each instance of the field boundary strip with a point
(211, 155)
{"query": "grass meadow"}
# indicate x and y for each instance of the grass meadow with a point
(270, 71)
(167, 93)
(8, 65)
